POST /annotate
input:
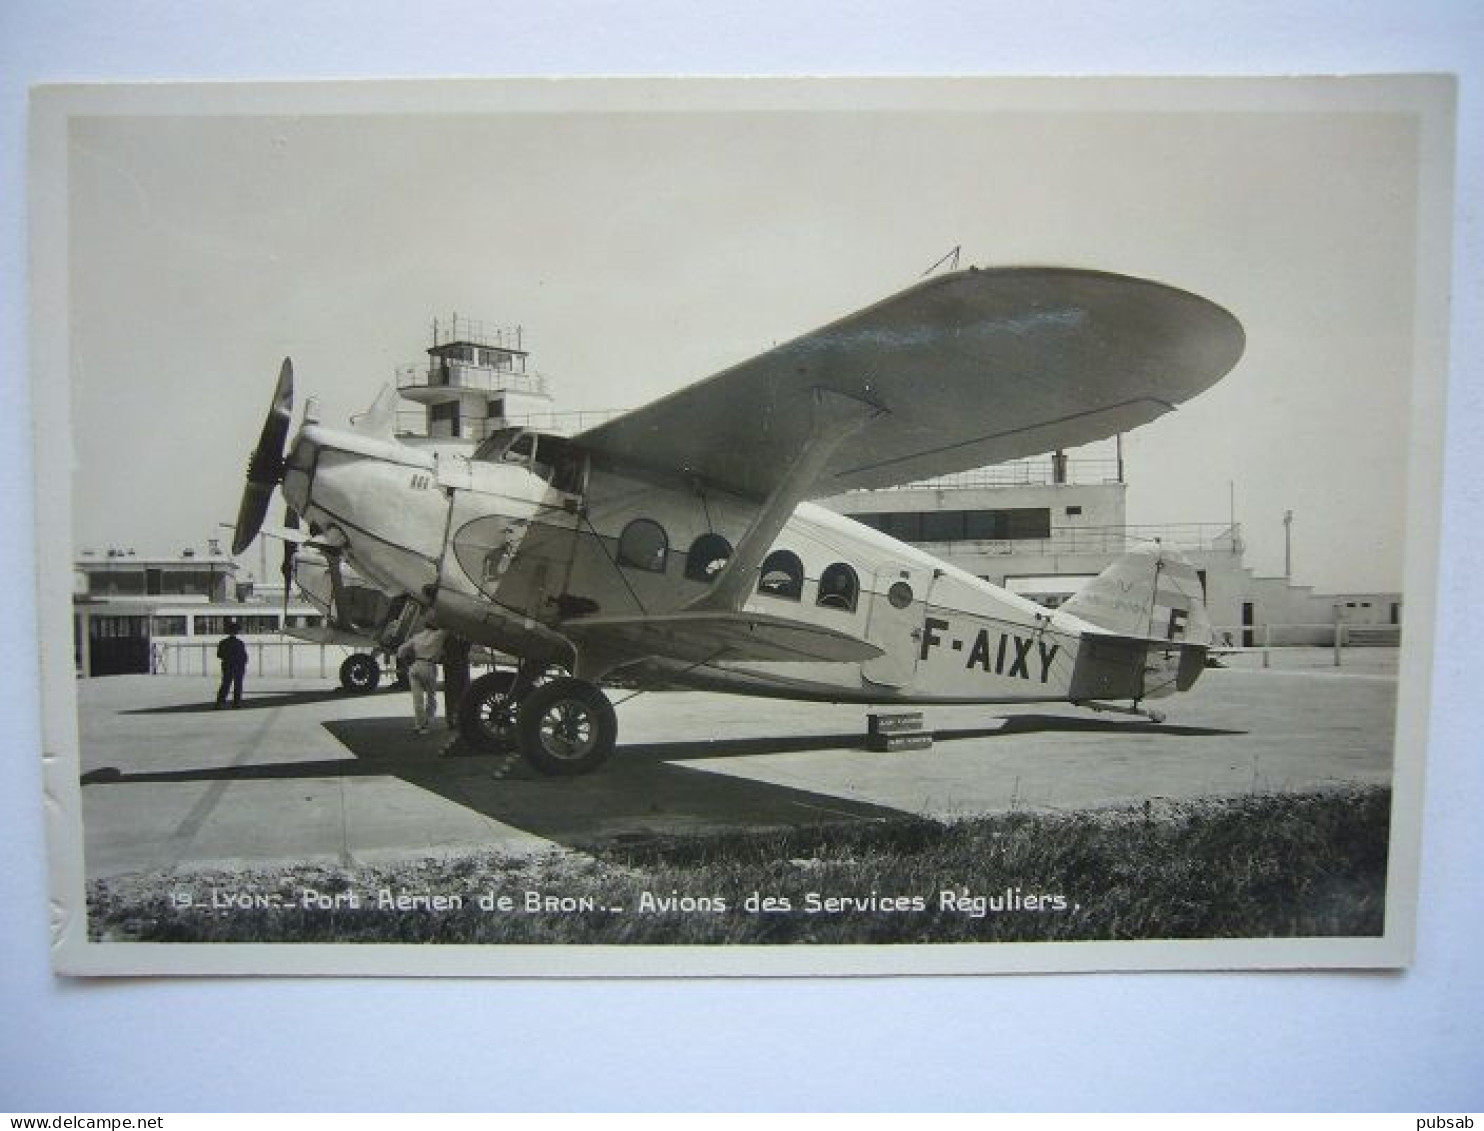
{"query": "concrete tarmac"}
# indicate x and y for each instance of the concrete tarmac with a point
(303, 772)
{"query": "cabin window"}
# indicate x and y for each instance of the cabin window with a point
(782, 575)
(838, 587)
(708, 556)
(644, 545)
(900, 595)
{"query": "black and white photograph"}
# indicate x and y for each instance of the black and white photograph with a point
(721, 526)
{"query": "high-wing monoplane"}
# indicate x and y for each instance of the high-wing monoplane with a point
(675, 545)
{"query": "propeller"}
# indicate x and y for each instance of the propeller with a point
(265, 464)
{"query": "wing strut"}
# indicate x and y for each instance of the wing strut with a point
(833, 417)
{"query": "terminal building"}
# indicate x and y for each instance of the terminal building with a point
(1043, 527)
(135, 614)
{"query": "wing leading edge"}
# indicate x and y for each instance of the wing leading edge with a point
(963, 370)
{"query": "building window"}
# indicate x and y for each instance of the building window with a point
(960, 526)
(118, 628)
(708, 556)
(839, 587)
(943, 526)
(1030, 522)
(447, 414)
(644, 545)
(170, 626)
(1073, 510)
(782, 575)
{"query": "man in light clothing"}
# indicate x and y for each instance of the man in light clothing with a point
(422, 652)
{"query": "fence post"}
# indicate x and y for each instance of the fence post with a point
(1267, 643)
(1338, 635)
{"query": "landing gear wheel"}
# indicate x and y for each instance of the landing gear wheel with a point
(487, 713)
(360, 674)
(566, 727)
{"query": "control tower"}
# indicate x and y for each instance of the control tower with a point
(475, 382)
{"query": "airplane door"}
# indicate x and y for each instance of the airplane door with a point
(898, 607)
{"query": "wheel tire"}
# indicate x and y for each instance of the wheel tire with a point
(566, 727)
(360, 674)
(487, 715)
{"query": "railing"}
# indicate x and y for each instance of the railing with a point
(466, 375)
(1336, 635)
(411, 423)
(1037, 472)
(1194, 536)
(478, 332)
(265, 657)
(275, 657)
(1190, 536)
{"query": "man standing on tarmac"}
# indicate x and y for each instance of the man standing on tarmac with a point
(423, 651)
(233, 656)
(455, 677)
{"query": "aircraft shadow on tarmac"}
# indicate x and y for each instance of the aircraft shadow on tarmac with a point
(261, 701)
(1012, 725)
(641, 794)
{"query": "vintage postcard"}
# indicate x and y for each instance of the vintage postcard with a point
(738, 527)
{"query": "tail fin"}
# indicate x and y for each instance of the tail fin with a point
(1151, 593)
(1149, 603)
(380, 420)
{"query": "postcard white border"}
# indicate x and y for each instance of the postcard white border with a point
(1429, 97)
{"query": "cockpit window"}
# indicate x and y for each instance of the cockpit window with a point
(496, 443)
(552, 457)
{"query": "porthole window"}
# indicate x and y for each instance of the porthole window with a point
(900, 595)
(708, 556)
(643, 545)
(782, 575)
(838, 588)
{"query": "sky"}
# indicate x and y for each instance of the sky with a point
(643, 243)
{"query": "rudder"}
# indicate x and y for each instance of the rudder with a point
(1150, 593)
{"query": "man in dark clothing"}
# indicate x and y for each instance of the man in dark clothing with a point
(233, 655)
(455, 677)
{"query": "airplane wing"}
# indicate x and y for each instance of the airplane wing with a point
(963, 370)
(701, 637)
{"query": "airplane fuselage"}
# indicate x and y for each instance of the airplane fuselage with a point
(515, 548)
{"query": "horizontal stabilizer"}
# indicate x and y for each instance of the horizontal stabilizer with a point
(328, 634)
(287, 534)
(700, 637)
(1133, 667)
